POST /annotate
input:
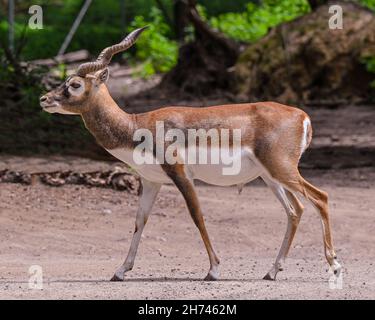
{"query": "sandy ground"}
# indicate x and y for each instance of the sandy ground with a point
(80, 235)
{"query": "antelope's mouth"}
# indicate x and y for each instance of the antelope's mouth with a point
(48, 106)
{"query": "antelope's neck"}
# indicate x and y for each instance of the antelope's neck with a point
(112, 127)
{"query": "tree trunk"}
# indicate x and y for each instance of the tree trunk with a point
(181, 19)
(316, 3)
(203, 64)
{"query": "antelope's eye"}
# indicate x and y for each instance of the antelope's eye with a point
(75, 85)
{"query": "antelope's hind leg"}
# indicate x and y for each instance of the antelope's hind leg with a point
(294, 210)
(291, 180)
(319, 200)
(147, 199)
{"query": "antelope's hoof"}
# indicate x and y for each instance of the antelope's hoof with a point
(336, 268)
(117, 278)
(268, 277)
(210, 277)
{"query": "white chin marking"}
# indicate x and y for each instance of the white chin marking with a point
(62, 111)
(57, 109)
(50, 109)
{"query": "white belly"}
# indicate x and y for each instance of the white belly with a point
(208, 173)
(213, 174)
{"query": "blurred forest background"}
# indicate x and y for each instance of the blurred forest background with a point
(197, 52)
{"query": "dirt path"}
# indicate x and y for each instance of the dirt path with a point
(79, 235)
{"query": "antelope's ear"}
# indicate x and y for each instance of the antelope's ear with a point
(101, 76)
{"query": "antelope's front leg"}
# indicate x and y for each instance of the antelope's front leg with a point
(186, 186)
(147, 199)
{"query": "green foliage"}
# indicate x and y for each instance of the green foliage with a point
(217, 7)
(19, 91)
(255, 21)
(368, 3)
(157, 52)
(16, 81)
(106, 21)
(25, 128)
(57, 20)
(370, 64)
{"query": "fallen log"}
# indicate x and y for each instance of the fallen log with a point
(67, 58)
(118, 179)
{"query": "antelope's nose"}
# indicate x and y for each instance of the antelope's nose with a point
(43, 98)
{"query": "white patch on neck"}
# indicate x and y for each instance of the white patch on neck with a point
(150, 172)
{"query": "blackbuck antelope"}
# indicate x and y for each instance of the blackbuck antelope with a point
(272, 139)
